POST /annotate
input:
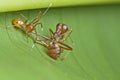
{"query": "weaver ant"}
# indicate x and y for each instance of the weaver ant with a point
(56, 43)
(30, 27)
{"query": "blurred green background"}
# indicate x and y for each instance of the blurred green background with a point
(95, 55)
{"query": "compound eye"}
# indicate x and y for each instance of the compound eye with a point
(20, 22)
(65, 27)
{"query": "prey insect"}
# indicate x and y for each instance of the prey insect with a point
(55, 44)
(30, 27)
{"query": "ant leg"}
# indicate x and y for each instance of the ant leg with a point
(64, 56)
(7, 31)
(46, 10)
(36, 23)
(36, 35)
(27, 36)
(25, 18)
(42, 43)
(39, 15)
(69, 32)
(46, 38)
(36, 19)
(8, 27)
(64, 46)
(51, 32)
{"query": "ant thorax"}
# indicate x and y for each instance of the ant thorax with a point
(56, 36)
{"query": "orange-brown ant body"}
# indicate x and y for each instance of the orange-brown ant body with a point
(30, 27)
(56, 43)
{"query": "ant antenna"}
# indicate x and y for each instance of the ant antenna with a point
(41, 15)
(47, 9)
(24, 17)
(45, 12)
(71, 40)
(64, 56)
(69, 37)
(33, 45)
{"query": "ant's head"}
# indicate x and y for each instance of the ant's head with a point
(61, 28)
(18, 23)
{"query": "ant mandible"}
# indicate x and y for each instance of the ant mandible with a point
(29, 28)
(56, 43)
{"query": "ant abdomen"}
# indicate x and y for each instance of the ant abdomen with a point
(53, 54)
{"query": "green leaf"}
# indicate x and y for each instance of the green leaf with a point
(8, 5)
(95, 55)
